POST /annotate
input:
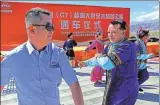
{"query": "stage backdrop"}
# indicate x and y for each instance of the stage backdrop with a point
(82, 20)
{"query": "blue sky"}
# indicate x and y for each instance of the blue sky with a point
(140, 10)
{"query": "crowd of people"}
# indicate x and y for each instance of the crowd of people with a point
(38, 65)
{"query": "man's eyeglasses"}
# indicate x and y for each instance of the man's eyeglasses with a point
(49, 26)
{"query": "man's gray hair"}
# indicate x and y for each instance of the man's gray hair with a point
(34, 15)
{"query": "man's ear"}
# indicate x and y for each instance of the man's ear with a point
(31, 29)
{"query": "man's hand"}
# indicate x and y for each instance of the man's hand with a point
(81, 64)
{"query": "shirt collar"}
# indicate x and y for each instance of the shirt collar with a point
(31, 48)
(47, 48)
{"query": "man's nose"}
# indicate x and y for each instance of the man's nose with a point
(109, 34)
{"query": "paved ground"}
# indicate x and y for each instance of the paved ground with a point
(93, 95)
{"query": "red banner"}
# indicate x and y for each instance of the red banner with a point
(82, 20)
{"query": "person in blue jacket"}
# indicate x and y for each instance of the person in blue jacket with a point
(142, 56)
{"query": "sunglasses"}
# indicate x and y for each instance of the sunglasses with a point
(49, 26)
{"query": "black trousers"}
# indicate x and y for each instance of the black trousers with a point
(70, 54)
(143, 75)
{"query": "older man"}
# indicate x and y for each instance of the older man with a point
(38, 66)
(119, 60)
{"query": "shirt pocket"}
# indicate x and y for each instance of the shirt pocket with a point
(54, 64)
(54, 73)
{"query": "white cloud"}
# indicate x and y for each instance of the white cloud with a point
(148, 16)
(144, 16)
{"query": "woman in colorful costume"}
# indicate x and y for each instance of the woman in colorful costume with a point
(98, 43)
(142, 56)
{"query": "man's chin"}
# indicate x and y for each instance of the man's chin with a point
(111, 40)
(46, 43)
(49, 38)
